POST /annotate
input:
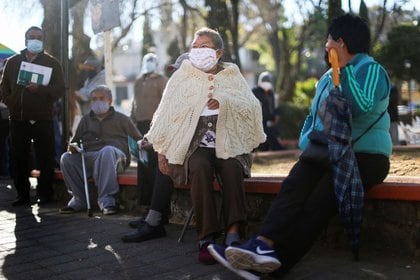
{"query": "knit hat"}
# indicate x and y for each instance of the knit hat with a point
(92, 62)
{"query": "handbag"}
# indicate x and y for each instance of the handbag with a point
(317, 149)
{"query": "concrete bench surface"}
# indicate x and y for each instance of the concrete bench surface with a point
(393, 188)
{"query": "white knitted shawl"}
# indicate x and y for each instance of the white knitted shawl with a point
(239, 125)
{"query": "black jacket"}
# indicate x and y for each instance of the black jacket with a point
(24, 105)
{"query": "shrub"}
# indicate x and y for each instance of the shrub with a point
(292, 117)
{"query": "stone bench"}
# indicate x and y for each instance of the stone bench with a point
(391, 214)
(393, 188)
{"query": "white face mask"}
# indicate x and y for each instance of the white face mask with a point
(203, 58)
(149, 67)
(99, 107)
(35, 46)
(266, 86)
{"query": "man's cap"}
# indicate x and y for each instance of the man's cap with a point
(265, 77)
(178, 62)
(149, 57)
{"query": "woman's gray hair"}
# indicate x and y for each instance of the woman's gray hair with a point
(213, 35)
(103, 88)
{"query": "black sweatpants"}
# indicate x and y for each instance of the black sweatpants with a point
(21, 135)
(162, 192)
(146, 174)
(306, 203)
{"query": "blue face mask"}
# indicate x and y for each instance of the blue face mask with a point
(149, 67)
(99, 107)
(35, 46)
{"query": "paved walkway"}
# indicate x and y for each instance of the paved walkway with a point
(39, 243)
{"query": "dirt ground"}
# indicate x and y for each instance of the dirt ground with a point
(403, 163)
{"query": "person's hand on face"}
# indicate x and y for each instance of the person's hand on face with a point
(341, 49)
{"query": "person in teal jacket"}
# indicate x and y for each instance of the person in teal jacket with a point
(366, 84)
(307, 199)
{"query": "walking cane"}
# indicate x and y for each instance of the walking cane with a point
(82, 152)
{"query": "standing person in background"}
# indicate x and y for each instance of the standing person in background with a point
(148, 90)
(152, 225)
(208, 122)
(393, 114)
(95, 75)
(31, 117)
(264, 92)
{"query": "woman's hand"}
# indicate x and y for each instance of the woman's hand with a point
(341, 48)
(213, 104)
(144, 144)
(32, 87)
(163, 164)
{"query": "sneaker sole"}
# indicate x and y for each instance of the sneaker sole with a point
(247, 260)
(242, 273)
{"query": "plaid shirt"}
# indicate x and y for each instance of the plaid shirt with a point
(336, 116)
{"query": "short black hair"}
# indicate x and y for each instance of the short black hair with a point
(353, 30)
(34, 28)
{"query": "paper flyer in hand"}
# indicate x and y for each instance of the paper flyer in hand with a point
(139, 154)
(33, 73)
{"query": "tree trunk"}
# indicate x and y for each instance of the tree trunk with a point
(288, 76)
(234, 31)
(81, 45)
(51, 26)
(218, 18)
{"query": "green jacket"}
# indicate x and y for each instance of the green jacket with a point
(113, 130)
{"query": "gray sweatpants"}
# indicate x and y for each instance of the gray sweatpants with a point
(102, 166)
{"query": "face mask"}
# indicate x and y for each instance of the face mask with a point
(35, 46)
(266, 86)
(149, 67)
(99, 107)
(203, 58)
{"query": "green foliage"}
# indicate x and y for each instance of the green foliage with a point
(304, 92)
(334, 10)
(402, 47)
(317, 29)
(292, 117)
(265, 55)
(173, 50)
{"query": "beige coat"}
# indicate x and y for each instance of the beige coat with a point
(148, 91)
